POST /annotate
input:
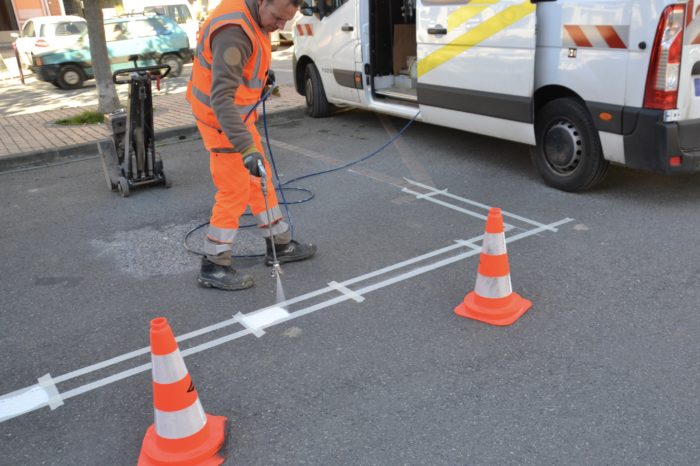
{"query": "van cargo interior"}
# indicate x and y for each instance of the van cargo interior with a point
(393, 49)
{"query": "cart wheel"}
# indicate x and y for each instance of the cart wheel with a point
(123, 186)
(167, 182)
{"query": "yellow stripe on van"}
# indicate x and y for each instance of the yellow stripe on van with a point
(463, 14)
(475, 36)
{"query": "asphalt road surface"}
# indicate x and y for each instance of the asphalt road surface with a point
(371, 366)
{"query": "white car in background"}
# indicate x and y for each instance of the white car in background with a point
(47, 33)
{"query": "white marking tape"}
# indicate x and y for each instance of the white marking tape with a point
(468, 244)
(347, 291)
(46, 394)
(434, 193)
(49, 387)
(445, 204)
(258, 320)
(483, 206)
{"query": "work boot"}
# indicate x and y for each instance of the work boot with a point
(290, 252)
(224, 277)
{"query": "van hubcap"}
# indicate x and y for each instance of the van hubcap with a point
(563, 147)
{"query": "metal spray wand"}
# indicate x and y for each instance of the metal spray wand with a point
(276, 269)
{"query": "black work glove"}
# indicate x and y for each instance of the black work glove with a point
(270, 78)
(250, 160)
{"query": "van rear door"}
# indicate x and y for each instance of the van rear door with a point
(476, 66)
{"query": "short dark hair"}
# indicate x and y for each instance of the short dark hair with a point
(296, 3)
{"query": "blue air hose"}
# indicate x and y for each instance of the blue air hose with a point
(281, 186)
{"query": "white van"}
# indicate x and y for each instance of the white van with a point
(587, 82)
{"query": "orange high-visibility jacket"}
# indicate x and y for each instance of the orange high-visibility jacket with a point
(254, 71)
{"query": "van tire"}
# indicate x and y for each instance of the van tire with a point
(568, 154)
(317, 105)
(70, 77)
(174, 62)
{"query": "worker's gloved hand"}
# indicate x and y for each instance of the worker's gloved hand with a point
(270, 78)
(251, 157)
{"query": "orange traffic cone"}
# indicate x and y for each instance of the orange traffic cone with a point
(493, 300)
(183, 434)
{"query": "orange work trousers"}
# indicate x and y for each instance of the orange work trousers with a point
(236, 189)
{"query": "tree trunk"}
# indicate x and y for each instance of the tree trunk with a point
(107, 98)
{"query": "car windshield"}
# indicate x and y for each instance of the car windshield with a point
(68, 28)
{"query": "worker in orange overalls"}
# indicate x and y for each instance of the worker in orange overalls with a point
(229, 74)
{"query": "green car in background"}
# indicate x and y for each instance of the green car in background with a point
(156, 39)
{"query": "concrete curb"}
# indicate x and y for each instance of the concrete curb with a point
(48, 156)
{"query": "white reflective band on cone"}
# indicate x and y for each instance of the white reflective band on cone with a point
(493, 287)
(169, 368)
(182, 423)
(494, 244)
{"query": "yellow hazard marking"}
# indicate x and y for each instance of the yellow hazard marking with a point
(463, 14)
(474, 36)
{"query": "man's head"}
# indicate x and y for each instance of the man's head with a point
(274, 13)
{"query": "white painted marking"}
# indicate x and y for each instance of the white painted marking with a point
(22, 401)
(483, 206)
(35, 397)
(347, 291)
(258, 320)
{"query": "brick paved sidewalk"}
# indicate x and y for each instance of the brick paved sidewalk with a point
(35, 138)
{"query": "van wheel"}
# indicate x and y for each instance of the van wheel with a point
(568, 154)
(70, 77)
(317, 105)
(174, 62)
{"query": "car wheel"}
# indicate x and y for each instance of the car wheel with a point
(70, 77)
(174, 62)
(317, 105)
(568, 154)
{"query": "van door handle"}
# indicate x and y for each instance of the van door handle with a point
(346, 27)
(437, 30)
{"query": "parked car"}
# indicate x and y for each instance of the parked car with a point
(47, 33)
(178, 11)
(157, 39)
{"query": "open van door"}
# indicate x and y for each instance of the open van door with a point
(476, 65)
